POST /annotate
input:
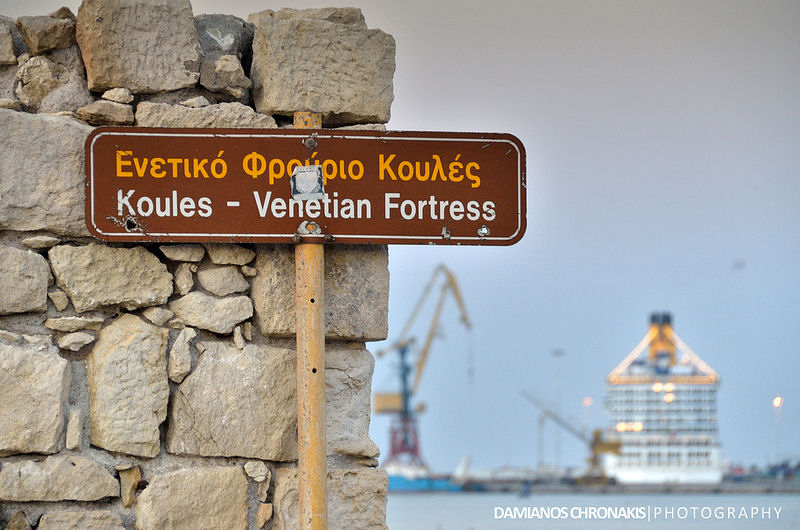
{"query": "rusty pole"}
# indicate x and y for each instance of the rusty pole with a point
(312, 473)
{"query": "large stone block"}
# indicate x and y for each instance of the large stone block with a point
(237, 403)
(80, 520)
(23, 281)
(128, 388)
(35, 386)
(146, 47)
(204, 311)
(221, 115)
(356, 498)
(356, 292)
(207, 418)
(58, 478)
(45, 79)
(95, 275)
(7, 53)
(45, 33)
(194, 499)
(42, 184)
(223, 35)
(344, 71)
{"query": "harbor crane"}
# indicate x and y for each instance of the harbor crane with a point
(404, 435)
(596, 441)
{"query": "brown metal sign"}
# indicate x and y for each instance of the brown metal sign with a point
(279, 186)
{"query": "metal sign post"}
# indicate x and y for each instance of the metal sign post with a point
(312, 473)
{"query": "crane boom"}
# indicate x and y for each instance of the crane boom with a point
(582, 436)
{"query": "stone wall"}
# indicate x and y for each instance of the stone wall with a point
(153, 386)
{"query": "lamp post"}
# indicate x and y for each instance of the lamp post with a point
(777, 404)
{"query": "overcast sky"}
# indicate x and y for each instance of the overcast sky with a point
(663, 143)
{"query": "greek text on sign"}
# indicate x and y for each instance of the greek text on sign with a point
(145, 184)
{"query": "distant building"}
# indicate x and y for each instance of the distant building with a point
(663, 403)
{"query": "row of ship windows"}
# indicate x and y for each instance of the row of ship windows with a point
(678, 398)
(675, 429)
(692, 458)
(655, 442)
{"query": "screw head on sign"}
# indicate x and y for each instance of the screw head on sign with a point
(483, 231)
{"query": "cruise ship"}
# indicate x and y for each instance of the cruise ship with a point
(662, 399)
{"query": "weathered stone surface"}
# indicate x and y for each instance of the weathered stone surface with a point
(42, 167)
(157, 315)
(23, 281)
(222, 280)
(75, 341)
(128, 388)
(45, 33)
(208, 415)
(18, 521)
(189, 252)
(118, 95)
(356, 498)
(145, 47)
(196, 102)
(356, 291)
(348, 380)
(225, 254)
(130, 276)
(70, 324)
(184, 281)
(128, 480)
(80, 520)
(263, 514)
(339, 15)
(224, 73)
(68, 97)
(204, 311)
(74, 428)
(8, 87)
(230, 115)
(194, 499)
(223, 34)
(256, 470)
(58, 478)
(40, 242)
(7, 53)
(42, 75)
(342, 70)
(11, 25)
(59, 299)
(9, 103)
(180, 360)
(103, 112)
(35, 383)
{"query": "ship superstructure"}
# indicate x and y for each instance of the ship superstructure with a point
(662, 399)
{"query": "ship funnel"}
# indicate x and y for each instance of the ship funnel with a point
(661, 319)
(662, 347)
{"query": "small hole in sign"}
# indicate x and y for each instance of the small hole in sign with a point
(312, 300)
(313, 370)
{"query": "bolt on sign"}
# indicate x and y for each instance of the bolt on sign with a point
(288, 185)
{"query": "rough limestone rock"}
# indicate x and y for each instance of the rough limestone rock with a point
(356, 292)
(68, 97)
(339, 15)
(225, 74)
(7, 53)
(35, 386)
(206, 415)
(23, 281)
(128, 388)
(131, 276)
(188, 252)
(8, 87)
(103, 112)
(225, 254)
(119, 95)
(11, 25)
(356, 498)
(194, 499)
(256, 470)
(70, 324)
(348, 380)
(222, 280)
(184, 281)
(40, 242)
(204, 311)
(196, 102)
(58, 478)
(128, 480)
(42, 167)
(18, 521)
(45, 33)
(237, 403)
(75, 341)
(180, 359)
(222, 115)
(40, 76)
(157, 315)
(224, 35)
(146, 47)
(80, 520)
(74, 428)
(263, 514)
(343, 71)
